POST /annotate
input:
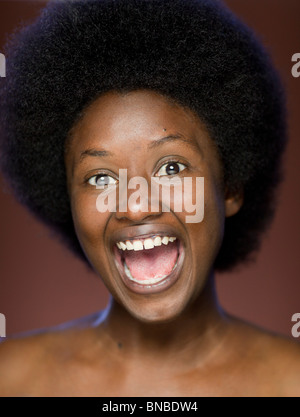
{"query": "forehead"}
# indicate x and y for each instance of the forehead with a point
(139, 115)
(135, 130)
(130, 125)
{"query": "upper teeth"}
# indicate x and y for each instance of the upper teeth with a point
(148, 243)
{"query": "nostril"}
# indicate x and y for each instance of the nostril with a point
(137, 217)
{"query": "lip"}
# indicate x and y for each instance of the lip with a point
(142, 232)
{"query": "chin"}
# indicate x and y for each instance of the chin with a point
(153, 317)
(158, 308)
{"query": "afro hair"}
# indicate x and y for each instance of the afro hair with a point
(193, 51)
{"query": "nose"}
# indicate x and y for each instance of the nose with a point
(134, 201)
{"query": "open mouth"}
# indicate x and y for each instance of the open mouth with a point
(149, 264)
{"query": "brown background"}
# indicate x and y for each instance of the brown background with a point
(42, 284)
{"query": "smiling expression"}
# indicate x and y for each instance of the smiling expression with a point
(148, 135)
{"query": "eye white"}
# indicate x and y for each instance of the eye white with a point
(102, 180)
(168, 167)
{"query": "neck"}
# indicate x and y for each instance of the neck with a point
(194, 336)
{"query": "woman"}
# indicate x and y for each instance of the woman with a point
(104, 92)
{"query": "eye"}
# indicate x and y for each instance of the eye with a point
(101, 180)
(171, 168)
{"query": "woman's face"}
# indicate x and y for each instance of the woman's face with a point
(144, 133)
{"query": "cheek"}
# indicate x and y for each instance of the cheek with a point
(199, 202)
(214, 220)
(206, 235)
(89, 223)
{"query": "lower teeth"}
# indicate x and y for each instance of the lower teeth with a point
(146, 281)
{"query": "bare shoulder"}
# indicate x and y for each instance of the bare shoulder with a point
(275, 359)
(285, 359)
(27, 360)
(19, 359)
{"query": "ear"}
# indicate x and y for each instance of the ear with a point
(233, 202)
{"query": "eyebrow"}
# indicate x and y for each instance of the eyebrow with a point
(170, 138)
(94, 152)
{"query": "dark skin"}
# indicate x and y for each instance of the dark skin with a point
(174, 342)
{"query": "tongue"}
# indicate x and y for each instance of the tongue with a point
(151, 263)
